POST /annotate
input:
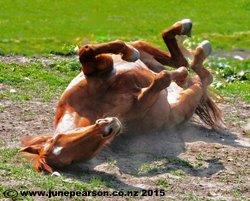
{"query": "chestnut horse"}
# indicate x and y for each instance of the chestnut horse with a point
(126, 82)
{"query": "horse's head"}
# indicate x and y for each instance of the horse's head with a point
(77, 145)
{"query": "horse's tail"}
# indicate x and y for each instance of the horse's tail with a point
(209, 112)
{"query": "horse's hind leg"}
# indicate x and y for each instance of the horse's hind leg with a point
(195, 95)
(95, 58)
(155, 58)
(182, 27)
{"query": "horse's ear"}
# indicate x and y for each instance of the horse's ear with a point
(33, 154)
(39, 163)
(35, 140)
(33, 144)
(34, 149)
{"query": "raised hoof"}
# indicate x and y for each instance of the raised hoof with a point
(186, 27)
(132, 55)
(206, 48)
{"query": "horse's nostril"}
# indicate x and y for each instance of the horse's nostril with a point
(101, 121)
(98, 121)
(108, 131)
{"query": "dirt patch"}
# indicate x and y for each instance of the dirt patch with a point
(27, 118)
(189, 161)
(35, 59)
(239, 54)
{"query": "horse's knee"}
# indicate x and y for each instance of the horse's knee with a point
(208, 78)
(85, 53)
(102, 63)
(162, 80)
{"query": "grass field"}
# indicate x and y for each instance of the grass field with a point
(34, 28)
(29, 89)
(35, 81)
(31, 27)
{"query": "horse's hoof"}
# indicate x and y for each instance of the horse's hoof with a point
(206, 47)
(186, 27)
(136, 54)
(132, 55)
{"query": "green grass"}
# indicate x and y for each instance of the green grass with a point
(237, 90)
(232, 77)
(36, 81)
(163, 184)
(45, 27)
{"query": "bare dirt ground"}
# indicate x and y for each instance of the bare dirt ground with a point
(236, 54)
(189, 160)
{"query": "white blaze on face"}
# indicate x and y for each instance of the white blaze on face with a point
(57, 151)
(67, 123)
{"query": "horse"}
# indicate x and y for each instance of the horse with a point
(126, 84)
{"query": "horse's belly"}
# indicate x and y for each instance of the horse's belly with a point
(173, 93)
(66, 123)
(159, 113)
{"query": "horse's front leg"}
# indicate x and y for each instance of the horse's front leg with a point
(96, 58)
(162, 80)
